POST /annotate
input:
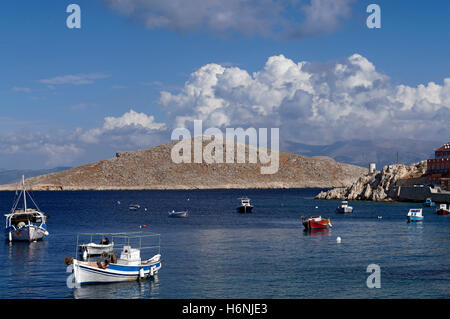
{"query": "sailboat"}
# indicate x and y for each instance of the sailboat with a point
(25, 224)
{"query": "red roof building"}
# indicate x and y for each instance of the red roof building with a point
(438, 169)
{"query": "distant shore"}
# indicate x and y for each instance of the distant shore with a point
(139, 188)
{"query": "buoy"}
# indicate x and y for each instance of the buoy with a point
(118, 202)
(141, 273)
(380, 217)
(338, 240)
(143, 226)
(145, 208)
(317, 206)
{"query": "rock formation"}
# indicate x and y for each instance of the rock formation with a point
(154, 169)
(379, 186)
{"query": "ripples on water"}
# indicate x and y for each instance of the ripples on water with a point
(218, 253)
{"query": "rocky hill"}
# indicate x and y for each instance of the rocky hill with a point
(154, 169)
(380, 185)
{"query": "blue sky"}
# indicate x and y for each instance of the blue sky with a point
(126, 65)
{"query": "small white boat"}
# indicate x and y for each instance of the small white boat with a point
(128, 267)
(245, 206)
(179, 214)
(415, 215)
(134, 207)
(93, 249)
(26, 224)
(343, 208)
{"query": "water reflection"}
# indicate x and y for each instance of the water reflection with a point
(149, 288)
(316, 232)
(21, 251)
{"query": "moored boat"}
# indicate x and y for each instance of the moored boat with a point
(26, 224)
(343, 208)
(316, 222)
(180, 214)
(134, 207)
(245, 206)
(415, 215)
(443, 210)
(428, 203)
(128, 267)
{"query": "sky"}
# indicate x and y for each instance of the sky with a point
(138, 69)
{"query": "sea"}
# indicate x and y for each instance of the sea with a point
(219, 253)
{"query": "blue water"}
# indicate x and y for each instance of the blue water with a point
(219, 253)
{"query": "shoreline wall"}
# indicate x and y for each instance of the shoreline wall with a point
(419, 194)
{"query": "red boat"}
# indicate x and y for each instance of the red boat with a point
(316, 222)
(443, 210)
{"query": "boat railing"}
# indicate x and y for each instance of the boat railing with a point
(140, 240)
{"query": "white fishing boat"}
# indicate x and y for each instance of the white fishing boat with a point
(179, 214)
(415, 215)
(25, 224)
(344, 208)
(128, 267)
(245, 206)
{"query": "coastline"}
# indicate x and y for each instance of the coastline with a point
(142, 188)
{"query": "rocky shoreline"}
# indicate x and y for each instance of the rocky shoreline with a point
(380, 185)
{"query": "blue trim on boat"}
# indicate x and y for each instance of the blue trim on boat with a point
(134, 269)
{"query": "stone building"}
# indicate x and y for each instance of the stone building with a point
(438, 169)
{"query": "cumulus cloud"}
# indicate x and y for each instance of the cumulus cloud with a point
(131, 128)
(288, 18)
(311, 102)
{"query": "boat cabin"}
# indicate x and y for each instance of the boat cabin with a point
(21, 218)
(245, 201)
(129, 256)
(415, 212)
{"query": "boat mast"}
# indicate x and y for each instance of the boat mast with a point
(24, 194)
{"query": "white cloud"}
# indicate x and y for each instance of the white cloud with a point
(288, 18)
(130, 127)
(74, 79)
(311, 102)
(42, 149)
(21, 89)
(36, 149)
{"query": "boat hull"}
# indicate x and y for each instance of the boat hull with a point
(94, 249)
(85, 273)
(27, 233)
(415, 219)
(179, 214)
(344, 210)
(443, 212)
(245, 209)
(312, 224)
